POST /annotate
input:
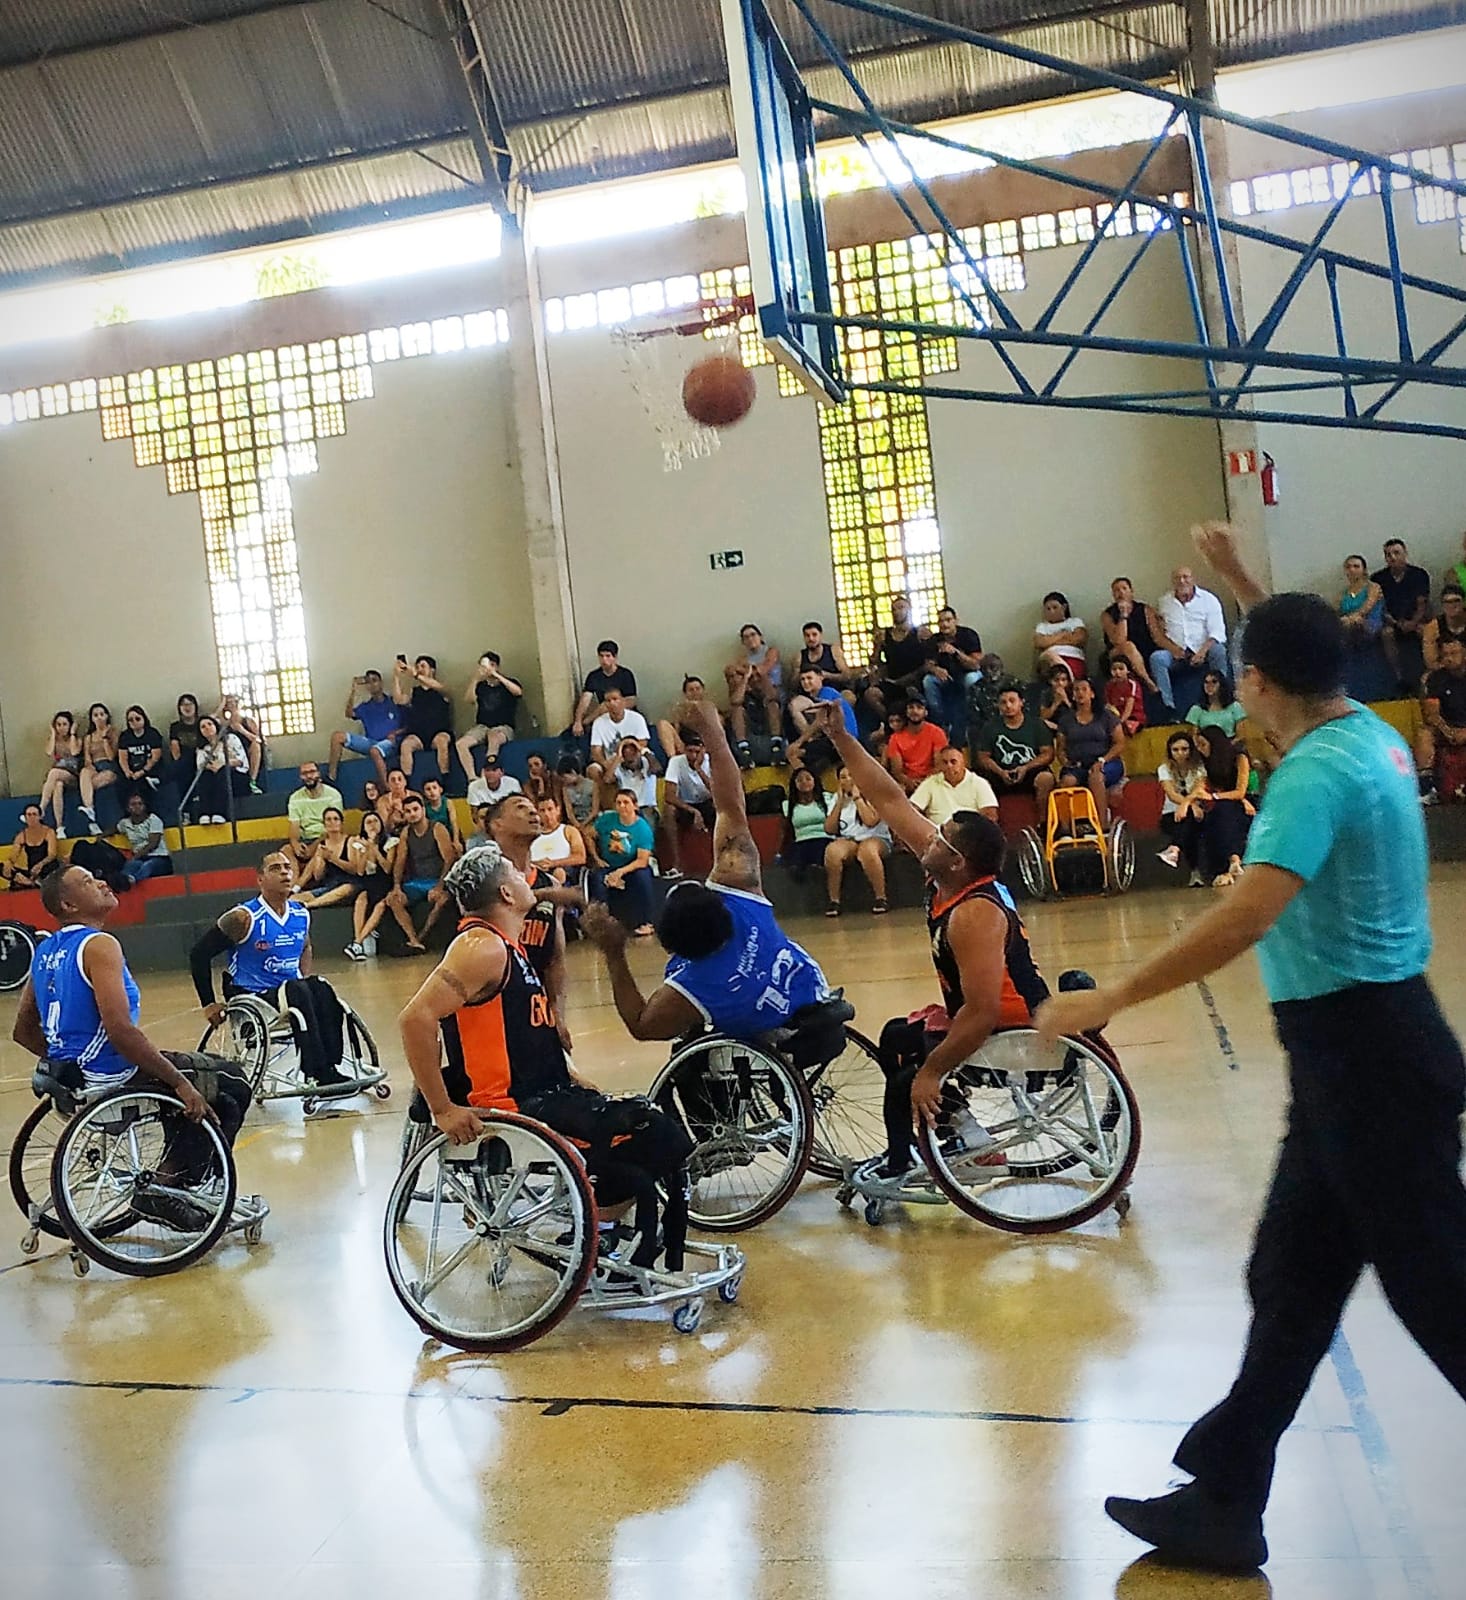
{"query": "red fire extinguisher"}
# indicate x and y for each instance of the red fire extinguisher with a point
(1271, 489)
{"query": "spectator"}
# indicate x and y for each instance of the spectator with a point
(142, 828)
(811, 747)
(898, 660)
(1445, 723)
(381, 725)
(392, 806)
(223, 772)
(688, 797)
(953, 666)
(758, 671)
(306, 810)
(560, 847)
(828, 659)
(331, 877)
(31, 851)
(496, 697)
(424, 853)
(1407, 610)
(1228, 810)
(1361, 605)
(99, 768)
(577, 792)
(440, 809)
(1451, 624)
(63, 751)
(891, 724)
(1219, 707)
(1193, 633)
(982, 696)
(140, 755)
(492, 785)
(540, 783)
(371, 795)
(371, 857)
(808, 807)
(1060, 696)
(1182, 777)
(1123, 697)
(912, 753)
(670, 732)
(1091, 746)
(427, 717)
(622, 842)
(183, 742)
(1016, 751)
(609, 674)
(617, 722)
(480, 835)
(636, 769)
(244, 728)
(1132, 631)
(855, 832)
(952, 788)
(1060, 636)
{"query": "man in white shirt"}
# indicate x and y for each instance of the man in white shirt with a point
(1194, 633)
(617, 722)
(688, 799)
(952, 788)
(492, 786)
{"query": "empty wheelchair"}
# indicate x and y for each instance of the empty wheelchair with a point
(1033, 1138)
(490, 1245)
(1075, 855)
(18, 941)
(125, 1177)
(805, 1098)
(263, 1040)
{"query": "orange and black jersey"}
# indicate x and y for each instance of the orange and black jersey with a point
(538, 937)
(1024, 989)
(506, 1044)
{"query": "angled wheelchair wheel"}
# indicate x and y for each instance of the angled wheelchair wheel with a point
(490, 1245)
(1122, 856)
(17, 946)
(243, 1037)
(751, 1118)
(138, 1187)
(1032, 868)
(1056, 1140)
(849, 1125)
(30, 1171)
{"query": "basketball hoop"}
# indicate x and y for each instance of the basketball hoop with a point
(656, 356)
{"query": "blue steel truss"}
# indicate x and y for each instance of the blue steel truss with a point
(1232, 364)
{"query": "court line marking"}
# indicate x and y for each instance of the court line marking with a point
(1214, 1016)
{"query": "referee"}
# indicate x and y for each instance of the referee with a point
(1334, 897)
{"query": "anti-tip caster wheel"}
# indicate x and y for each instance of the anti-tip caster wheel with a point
(309, 1106)
(875, 1211)
(844, 1195)
(728, 1292)
(253, 1232)
(687, 1316)
(383, 1091)
(80, 1264)
(1122, 1204)
(31, 1243)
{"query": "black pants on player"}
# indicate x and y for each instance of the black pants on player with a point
(323, 1038)
(1375, 1073)
(188, 1154)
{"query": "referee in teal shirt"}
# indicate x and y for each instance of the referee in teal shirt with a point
(1335, 899)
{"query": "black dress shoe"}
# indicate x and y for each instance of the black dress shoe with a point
(1189, 1528)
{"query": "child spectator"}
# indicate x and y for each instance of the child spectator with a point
(1124, 697)
(440, 810)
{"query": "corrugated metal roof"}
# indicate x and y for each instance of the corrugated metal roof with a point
(136, 126)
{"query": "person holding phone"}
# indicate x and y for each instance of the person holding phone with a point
(495, 697)
(368, 703)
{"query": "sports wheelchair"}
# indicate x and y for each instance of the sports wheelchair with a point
(264, 1042)
(804, 1098)
(85, 1166)
(1076, 855)
(490, 1245)
(18, 941)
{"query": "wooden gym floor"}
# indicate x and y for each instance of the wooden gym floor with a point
(927, 1409)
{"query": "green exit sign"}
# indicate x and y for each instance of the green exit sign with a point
(725, 560)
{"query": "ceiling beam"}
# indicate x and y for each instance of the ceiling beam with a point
(485, 121)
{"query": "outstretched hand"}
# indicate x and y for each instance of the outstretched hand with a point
(828, 717)
(700, 714)
(1218, 546)
(602, 929)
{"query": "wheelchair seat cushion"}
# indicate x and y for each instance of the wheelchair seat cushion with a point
(58, 1081)
(816, 1034)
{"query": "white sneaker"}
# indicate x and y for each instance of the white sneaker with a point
(88, 812)
(93, 829)
(1196, 881)
(1171, 855)
(60, 832)
(355, 951)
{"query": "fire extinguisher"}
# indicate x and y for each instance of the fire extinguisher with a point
(1271, 489)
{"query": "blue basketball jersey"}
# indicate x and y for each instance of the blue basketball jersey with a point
(69, 1014)
(756, 981)
(270, 952)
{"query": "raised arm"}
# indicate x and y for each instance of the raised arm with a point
(666, 1014)
(1219, 546)
(736, 861)
(873, 781)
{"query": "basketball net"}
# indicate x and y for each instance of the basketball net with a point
(656, 357)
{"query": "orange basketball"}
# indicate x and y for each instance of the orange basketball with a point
(718, 392)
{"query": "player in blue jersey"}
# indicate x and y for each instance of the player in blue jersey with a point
(268, 942)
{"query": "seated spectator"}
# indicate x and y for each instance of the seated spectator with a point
(1016, 750)
(982, 696)
(897, 661)
(540, 783)
(440, 809)
(1193, 633)
(63, 752)
(381, 725)
(480, 835)
(495, 697)
(1361, 605)
(616, 723)
(1182, 777)
(577, 792)
(560, 847)
(1228, 810)
(140, 755)
(371, 861)
(99, 765)
(392, 806)
(330, 878)
(31, 852)
(953, 666)
(599, 681)
(806, 810)
(1060, 695)
(1219, 707)
(892, 723)
(244, 728)
(855, 832)
(371, 794)
(1060, 636)
(1406, 590)
(142, 828)
(688, 798)
(183, 742)
(306, 810)
(670, 731)
(1123, 697)
(423, 855)
(828, 659)
(492, 785)
(912, 753)
(811, 686)
(757, 672)
(636, 769)
(1132, 631)
(223, 773)
(427, 713)
(1444, 729)
(952, 788)
(1091, 748)
(1451, 624)
(811, 747)
(622, 843)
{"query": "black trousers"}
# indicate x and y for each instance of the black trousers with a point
(1223, 835)
(1185, 834)
(187, 1151)
(903, 1047)
(323, 1040)
(1375, 1073)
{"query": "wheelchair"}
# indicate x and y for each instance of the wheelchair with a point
(805, 1098)
(18, 941)
(264, 1042)
(1033, 1139)
(491, 1245)
(1076, 855)
(84, 1167)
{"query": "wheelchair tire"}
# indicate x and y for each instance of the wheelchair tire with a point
(431, 1193)
(30, 1167)
(849, 1123)
(1032, 868)
(361, 1060)
(746, 1165)
(18, 942)
(243, 1037)
(1122, 856)
(99, 1206)
(1068, 1125)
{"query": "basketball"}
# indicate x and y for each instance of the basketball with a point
(718, 392)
